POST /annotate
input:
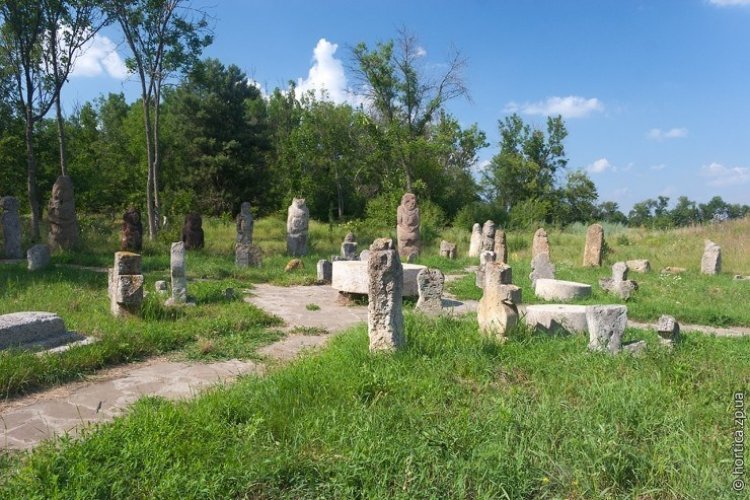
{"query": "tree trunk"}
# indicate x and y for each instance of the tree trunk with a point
(61, 137)
(150, 208)
(36, 212)
(157, 156)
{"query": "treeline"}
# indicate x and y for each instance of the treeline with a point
(203, 137)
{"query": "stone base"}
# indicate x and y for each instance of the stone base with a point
(351, 276)
(34, 329)
(555, 318)
(549, 289)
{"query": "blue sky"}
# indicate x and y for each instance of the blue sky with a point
(655, 94)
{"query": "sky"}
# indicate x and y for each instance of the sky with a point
(655, 94)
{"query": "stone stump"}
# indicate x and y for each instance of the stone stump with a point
(61, 213)
(11, 225)
(592, 252)
(484, 258)
(245, 225)
(349, 247)
(192, 232)
(126, 285)
(619, 284)
(38, 257)
(669, 330)
(325, 271)
(448, 250)
(475, 244)
(540, 244)
(385, 320)
(177, 275)
(711, 260)
(497, 311)
(297, 223)
(407, 227)
(131, 231)
(500, 247)
(247, 254)
(541, 268)
(430, 283)
(606, 325)
(488, 236)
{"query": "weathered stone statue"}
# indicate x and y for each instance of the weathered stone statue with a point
(501, 247)
(475, 244)
(385, 319)
(349, 247)
(192, 232)
(11, 224)
(711, 260)
(131, 232)
(297, 222)
(245, 224)
(61, 212)
(592, 252)
(430, 283)
(178, 275)
(488, 236)
(126, 284)
(407, 226)
(497, 311)
(540, 243)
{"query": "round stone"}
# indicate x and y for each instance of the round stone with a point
(549, 289)
(351, 276)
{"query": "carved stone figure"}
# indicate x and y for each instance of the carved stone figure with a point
(475, 244)
(245, 224)
(61, 212)
(407, 226)
(349, 247)
(297, 222)
(192, 232)
(385, 320)
(488, 236)
(592, 252)
(11, 224)
(131, 232)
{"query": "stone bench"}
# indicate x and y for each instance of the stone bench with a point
(549, 289)
(350, 276)
(34, 329)
(553, 318)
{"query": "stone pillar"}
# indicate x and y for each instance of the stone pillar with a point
(349, 247)
(131, 231)
(484, 258)
(126, 284)
(475, 245)
(385, 320)
(711, 261)
(38, 257)
(430, 283)
(448, 250)
(668, 330)
(325, 271)
(606, 325)
(488, 236)
(247, 254)
(592, 252)
(501, 247)
(541, 268)
(61, 213)
(11, 223)
(178, 275)
(407, 227)
(497, 310)
(245, 225)
(192, 232)
(297, 223)
(540, 243)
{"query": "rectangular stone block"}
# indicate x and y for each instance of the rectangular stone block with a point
(26, 327)
(127, 289)
(127, 263)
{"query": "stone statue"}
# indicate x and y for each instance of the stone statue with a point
(407, 226)
(297, 222)
(245, 224)
(11, 224)
(192, 232)
(349, 247)
(131, 232)
(61, 212)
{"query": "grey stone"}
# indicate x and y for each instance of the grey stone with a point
(540, 244)
(351, 277)
(501, 247)
(364, 255)
(541, 268)
(22, 328)
(475, 244)
(192, 232)
(297, 223)
(177, 274)
(639, 265)
(245, 225)
(485, 257)
(606, 325)
(11, 226)
(325, 271)
(497, 311)
(61, 213)
(38, 257)
(592, 252)
(637, 348)
(619, 271)
(619, 284)
(488, 236)
(711, 260)
(385, 320)
(430, 283)
(247, 254)
(668, 329)
(554, 318)
(447, 250)
(161, 287)
(349, 247)
(549, 289)
(408, 226)
(126, 284)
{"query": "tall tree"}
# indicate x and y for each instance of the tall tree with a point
(165, 37)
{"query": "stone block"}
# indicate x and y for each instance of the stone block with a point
(38, 257)
(606, 325)
(549, 289)
(554, 318)
(20, 328)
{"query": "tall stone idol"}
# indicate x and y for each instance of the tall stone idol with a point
(592, 252)
(11, 224)
(475, 244)
(488, 236)
(297, 222)
(131, 232)
(126, 284)
(385, 319)
(192, 232)
(61, 212)
(245, 224)
(407, 226)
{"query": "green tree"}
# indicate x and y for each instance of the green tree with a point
(685, 212)
(577, 199)
(609, 211)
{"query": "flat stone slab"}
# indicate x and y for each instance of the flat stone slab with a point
(549, 289)
(552, 318)
(351, 277)
(23, 328)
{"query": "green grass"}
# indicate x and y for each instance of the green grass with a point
(453, 415)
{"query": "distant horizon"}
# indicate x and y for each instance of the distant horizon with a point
(654, 94)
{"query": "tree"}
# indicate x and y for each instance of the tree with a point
(685, 212)
(163, 40)
(609, 211)
(577, 199)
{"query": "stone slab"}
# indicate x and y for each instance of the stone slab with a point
(20, 328)
(549, 289)
(553, 318)
(351, 276)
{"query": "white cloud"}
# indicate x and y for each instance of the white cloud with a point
(421, 52)
(727, 3)
(599, 166)
(660, 166)
(326, 76)
(100, 56)
(720, 175)
(658, 134)
(569, 107)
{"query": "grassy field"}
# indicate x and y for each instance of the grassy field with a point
(454, 415)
